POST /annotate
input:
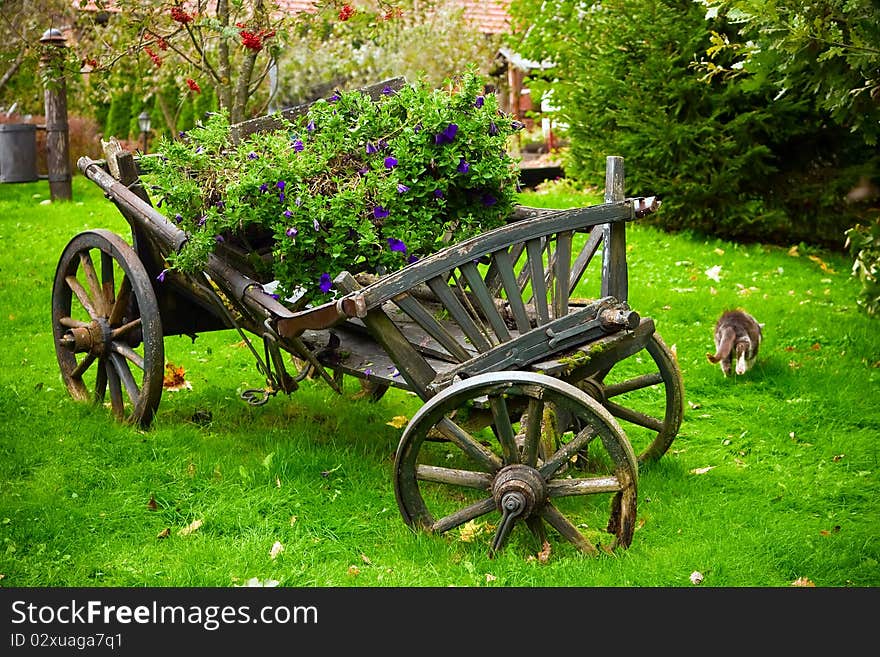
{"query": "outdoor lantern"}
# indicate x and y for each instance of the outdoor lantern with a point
(144, 123)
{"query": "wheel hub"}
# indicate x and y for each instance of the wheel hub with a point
(519, 490)
(593, 388)
(94, 338)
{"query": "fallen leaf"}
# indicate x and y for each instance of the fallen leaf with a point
(354, 571)
(714, 273)
(696, 578)
(838, 457)
(151, 505)
(277, 549)
(822, 265)
(366, 560)
(175, 378)
(544, 554)
(793, 251)
(165, 533)
(190, 528)
(469, 531)
(699, 471)
(490, 577)
(816, 346)
(802, 581)
(398, 421)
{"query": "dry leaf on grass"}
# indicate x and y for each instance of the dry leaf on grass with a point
(802, 581)
(714, 273)
(190, 528)
(354, 571)
(544, 554)
(175, 378)
(398, 422)
(490, 577)
(151, 505)
(277, 549)
(699, 471)
(165, 533)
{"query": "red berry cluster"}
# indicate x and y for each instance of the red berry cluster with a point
(192, 84)
(156, 59)
(346, 12)
(254, 40)
(180, 15)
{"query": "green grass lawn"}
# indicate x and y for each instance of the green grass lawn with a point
(772, 479)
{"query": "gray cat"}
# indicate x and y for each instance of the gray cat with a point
(738, 336)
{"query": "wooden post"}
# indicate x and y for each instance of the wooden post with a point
(57, 133)
(615, 279)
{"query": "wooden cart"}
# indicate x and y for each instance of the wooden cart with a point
(528, 392)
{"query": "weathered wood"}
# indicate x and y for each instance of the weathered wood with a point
(270, 122)
(534, 250)
(485, 301)
(507, 278)
(561, 273)
(614, 271)
(458, 312)
(429, 323)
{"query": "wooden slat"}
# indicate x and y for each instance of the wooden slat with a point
(485, 301)
(507, 277)
(614, 272)
(561, 269)
(536, 274)
(420, 315)
(583, 258)
(452, 304)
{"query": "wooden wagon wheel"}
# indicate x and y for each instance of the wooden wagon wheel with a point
(106, 326)
(487, 481)
(645, 396)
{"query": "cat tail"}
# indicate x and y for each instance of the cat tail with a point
(724, 347)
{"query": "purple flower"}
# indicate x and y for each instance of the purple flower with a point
(363, 171)
(493, 129)
(418, 127)
(518, 125)
(280, 185)
(264, 188)
(382, 144)
(178, 218)
(368, 372)
(371, 149)
(310, 126)
(387, 90)
(479, 101)
(288, 214)
(447, 135)
(316, 225)
(161, 276)
(390, 162)
(218, 239)
(334, 97)
(298, 201)
(199, 150)
(325, 284)
(275, 296)
(396, 245)
(412, 258)
(298, 145)
(463, 166)
(402, 189)
(379, 212)
(488, 200)
(203, 219)
(281, 197)
(438, 193)
(291, 232)
(181, 134)
(253, 156)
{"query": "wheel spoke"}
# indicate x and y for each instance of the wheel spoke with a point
(465, 478)
(504, 428)
(564, 453)
(125, 328)
(82, 295)
(82, 366)
(113, 383)
(469, 445)
(590, 486)
(130, 354)
(125, 376)
(562, 524)
(85, 259)
(535, 416)
(70, 322)
(108, 279)
(464, 515)
(121, 304)
(634, 416)
(637, 383)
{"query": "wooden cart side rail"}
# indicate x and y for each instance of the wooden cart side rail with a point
(529, 232)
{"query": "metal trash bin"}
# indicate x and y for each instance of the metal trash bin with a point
(18, 152)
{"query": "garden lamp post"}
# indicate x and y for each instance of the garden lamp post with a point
(144, 124)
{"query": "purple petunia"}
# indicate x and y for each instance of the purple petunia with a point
(412, 258)
(396, 245)
(447, 135)
(518, 125)
(288, 214)
(382, 144)
(493, 129)
(325, 283)
(402, 189)
(479, 101)
(316, 225)
(390, 162)
(371, 149)
(438, 193)
(310, 126)
(281, 197)
(178, 218)
(334, 97)
(363, 171)
(368, 372)
(291, 232)
(298, 201)
(488, 200)
(253, 156)
(379, 212)
(280, 185)
(298, 145)
(264, 188)
(202, 220)
(219, 239)
(161, 276)
(463, 166)
(387, 90)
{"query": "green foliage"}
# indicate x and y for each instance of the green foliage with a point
(728, 157)
(119, 116)
(354, 184)
(863, 242)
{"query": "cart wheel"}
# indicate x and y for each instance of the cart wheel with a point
(106, 326)
(486, 481)
(646, 397)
